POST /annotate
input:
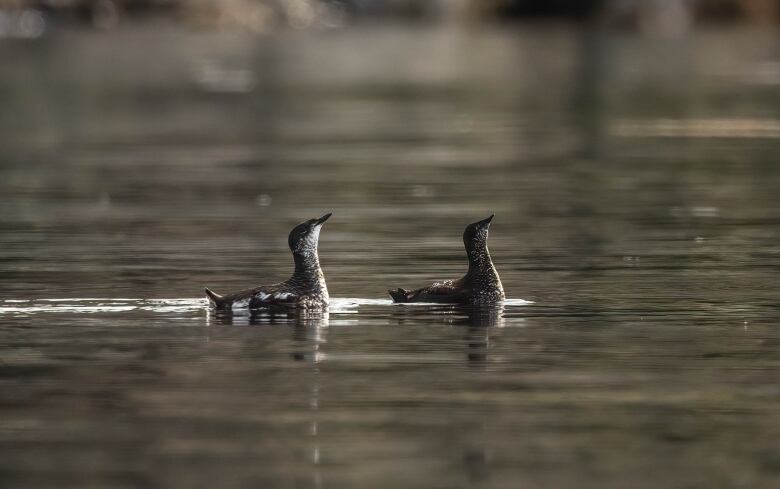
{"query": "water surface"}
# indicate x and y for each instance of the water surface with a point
(634, 183)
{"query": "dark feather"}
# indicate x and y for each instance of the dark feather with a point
(214, 297)
(445, 292)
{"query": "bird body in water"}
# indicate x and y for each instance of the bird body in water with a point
(306, 289)
(481, 284)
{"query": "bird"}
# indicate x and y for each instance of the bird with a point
(480, 286)
(306, 289)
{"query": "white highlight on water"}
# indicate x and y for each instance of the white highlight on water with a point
(338, 305)
(97, 305)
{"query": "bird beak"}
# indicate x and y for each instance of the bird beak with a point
(324, 218)
(486, 222)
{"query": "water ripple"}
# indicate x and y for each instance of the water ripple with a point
(341, 305)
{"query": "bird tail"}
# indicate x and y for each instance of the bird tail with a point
(399, 295)
(217, 299)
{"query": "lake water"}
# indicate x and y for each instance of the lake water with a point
(637, 232)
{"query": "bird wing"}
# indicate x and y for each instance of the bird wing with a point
(449, 292)
(271, 298)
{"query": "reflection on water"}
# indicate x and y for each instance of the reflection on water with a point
(634, 183)
(302, 318)
(699, 128)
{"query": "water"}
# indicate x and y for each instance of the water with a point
(634, 182)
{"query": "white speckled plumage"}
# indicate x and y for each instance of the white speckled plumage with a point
(305, 289)
(480, 286)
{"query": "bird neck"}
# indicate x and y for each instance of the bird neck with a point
(306, 264)
(479, 260)
(308, 276)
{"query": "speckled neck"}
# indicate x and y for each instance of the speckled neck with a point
(306, 263)
(483, 277)
(479, 260)
(308, 276)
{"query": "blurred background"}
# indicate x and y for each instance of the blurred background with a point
(164, 142)
(31, 18)
(629, 149)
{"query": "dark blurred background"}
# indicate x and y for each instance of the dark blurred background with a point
(629, 150)
(29, 18)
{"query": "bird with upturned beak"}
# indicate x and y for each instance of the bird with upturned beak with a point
(481, 284)
(306, 289)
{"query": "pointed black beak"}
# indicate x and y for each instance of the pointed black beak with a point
(324, 218)
(485, 222)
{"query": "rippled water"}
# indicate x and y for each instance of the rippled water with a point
(637, 231)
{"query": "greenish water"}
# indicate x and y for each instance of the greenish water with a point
(634, 182)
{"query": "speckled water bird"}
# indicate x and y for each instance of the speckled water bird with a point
(480, 285)
(306, 288)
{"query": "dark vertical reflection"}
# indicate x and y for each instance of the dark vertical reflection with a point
(479, 322)
(588, 112)
(309, 336)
